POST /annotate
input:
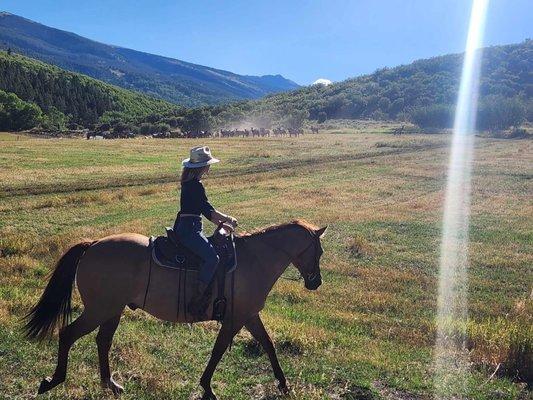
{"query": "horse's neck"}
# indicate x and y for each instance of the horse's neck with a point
(269, 259)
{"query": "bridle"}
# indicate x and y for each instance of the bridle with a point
(313, 275)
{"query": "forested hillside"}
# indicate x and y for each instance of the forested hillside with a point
(174, 80)
(81, 100)
(423, 92)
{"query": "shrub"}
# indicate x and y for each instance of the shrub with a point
(121, 127)
(296, 118)
(17, 115)
(499, 113)
(147, 128)
(434, 116)
(379, 115)
(162, 127)
(54, 120)
(518, 133)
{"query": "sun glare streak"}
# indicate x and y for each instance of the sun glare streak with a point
(451, 357)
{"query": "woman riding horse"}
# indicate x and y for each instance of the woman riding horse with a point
(116, 272)
(188, 225)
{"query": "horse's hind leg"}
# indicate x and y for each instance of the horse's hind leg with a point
(103, 340)
(83, 325)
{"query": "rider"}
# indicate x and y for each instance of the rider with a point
(188, 225)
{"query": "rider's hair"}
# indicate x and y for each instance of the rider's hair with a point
(193, 173)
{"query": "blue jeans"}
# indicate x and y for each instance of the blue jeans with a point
(189, 230)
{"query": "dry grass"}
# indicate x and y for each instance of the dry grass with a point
(368, 331)
(505, 344)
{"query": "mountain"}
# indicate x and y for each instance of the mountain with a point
(78, 98)
(177, 81)
(424, 92)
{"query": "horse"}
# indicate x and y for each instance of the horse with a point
(115, 272)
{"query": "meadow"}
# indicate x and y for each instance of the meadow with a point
(367, 333)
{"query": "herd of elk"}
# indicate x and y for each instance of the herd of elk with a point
(262, 132)
(252, 132)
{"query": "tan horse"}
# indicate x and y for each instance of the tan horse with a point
(116, 271)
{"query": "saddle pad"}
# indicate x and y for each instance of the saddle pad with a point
(166, 254)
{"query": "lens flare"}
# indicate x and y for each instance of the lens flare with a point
(451, 356)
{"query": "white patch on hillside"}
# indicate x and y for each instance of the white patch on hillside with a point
(322, 81)
(117, 72)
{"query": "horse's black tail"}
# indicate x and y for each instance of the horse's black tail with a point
(54, 306)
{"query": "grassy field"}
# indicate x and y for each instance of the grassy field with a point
(367, 333)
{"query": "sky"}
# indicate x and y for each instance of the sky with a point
(301, 40)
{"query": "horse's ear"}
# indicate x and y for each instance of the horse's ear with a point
(321, 232)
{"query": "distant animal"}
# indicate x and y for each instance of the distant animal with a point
(279, 131)
(398, 131)
(295, 132)
(198, 134)
(314, 129)
(116, 271)
(161, 135)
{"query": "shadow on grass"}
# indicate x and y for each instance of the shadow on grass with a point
(252, 349)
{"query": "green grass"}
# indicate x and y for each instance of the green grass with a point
(366, 333)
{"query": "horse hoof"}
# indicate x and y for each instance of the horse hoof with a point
(209, 396)
(113, 386)
(46, 385)
(284, 389)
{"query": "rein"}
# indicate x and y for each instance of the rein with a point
(311, 276)
(290, 278)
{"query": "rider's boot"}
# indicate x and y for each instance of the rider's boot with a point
(200, 301)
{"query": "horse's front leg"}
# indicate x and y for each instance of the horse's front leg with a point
(224, 338)
(258, 331)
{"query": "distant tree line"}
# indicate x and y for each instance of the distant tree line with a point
(82, 100)
(494, 113)
(423, 92)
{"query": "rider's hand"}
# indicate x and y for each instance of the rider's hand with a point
(228, 227)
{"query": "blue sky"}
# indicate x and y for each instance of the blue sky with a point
(302, 40)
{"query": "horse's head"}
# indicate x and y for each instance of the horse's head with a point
(308, 262)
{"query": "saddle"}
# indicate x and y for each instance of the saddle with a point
(168, 252)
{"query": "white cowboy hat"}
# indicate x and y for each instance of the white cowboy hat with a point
(200, 157)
